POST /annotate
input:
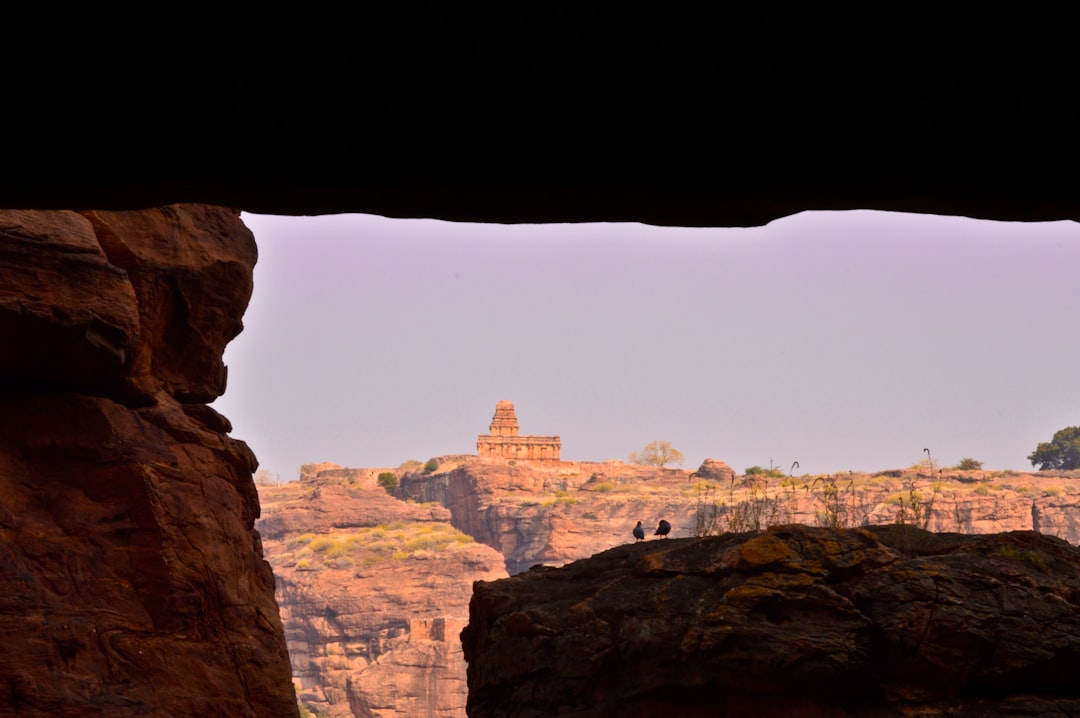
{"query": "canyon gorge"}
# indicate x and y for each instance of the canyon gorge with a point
(364, 576)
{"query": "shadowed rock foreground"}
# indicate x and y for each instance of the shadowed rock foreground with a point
(131, 579)
(793, 621)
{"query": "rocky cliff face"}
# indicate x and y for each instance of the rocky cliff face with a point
(553, 514)
(793, 621)
(371, 608)
(374, 593)
(133, 582)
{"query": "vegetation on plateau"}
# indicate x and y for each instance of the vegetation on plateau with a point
(368, 546)
(388, 481)
(1062, 452)
(771, 472)
(657, 453)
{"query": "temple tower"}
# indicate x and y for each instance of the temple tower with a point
(504, 441)
(505, 422)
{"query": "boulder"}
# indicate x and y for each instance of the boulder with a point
(792, 621)
(715, 470)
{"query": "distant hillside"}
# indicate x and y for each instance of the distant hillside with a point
(374, 588)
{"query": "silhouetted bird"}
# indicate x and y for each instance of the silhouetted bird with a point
(663, 528)
(639, 533)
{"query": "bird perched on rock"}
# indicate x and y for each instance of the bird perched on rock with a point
(662, 529)
(639, 532)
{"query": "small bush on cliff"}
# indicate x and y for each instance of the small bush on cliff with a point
(431, 466)
(410, 465)
(967, 464)
(388, 481)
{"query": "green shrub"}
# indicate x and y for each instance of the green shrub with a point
(759, 471)
(431, 466)
(388, 481)
(967, 464)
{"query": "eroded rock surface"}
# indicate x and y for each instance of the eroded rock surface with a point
(793, 621)
(133, 581)
(374, 593)
(553, 513)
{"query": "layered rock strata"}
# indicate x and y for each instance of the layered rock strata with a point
(793, 621)
(133, 582)
(555, 513)
(374, 593)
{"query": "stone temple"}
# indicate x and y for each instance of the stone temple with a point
(504, 442)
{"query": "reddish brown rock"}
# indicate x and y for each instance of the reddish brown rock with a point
(554, 513)
(374, 593)
(68, 316)
(715, 470)
(132, 577)
(190, 266)
(795, 621)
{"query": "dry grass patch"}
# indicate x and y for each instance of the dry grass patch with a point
(394, 541)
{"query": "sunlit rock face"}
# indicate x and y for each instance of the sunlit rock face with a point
(374, 592)
(132, 579)
(552, 513)
(793, 621)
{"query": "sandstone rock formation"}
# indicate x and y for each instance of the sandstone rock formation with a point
(793, 621)
(374, 593)
(553, 513)
(716, 470)
(556, 513)
(133, 581)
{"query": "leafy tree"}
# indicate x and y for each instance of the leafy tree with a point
(388, 481)
(1061, 452)
(967, 464)
(265, 477)
(657, 453)
(430, 466)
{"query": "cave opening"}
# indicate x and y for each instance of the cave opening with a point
(841, 340)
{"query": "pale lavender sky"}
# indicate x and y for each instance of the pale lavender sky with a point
(841, 340)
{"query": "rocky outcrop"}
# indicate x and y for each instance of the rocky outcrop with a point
(556, 513)
(716, 470)
(793, 621)
(133, 581)
(534, 512)
(374, 593)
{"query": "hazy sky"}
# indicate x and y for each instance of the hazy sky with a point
(841, 340)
